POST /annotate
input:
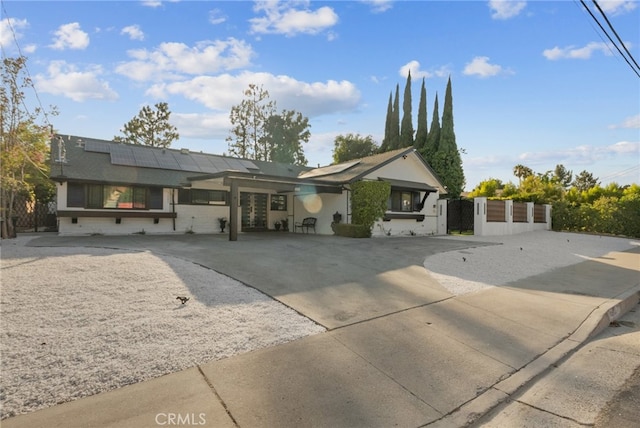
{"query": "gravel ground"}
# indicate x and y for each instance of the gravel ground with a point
(516, 257)
(79, 321)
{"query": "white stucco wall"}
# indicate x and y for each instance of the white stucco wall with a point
(321, 206)
(409, 169)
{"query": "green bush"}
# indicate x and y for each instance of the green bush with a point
(351, 230)
(607, 214)
(369, 201)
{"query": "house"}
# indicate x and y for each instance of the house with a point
(104, 187)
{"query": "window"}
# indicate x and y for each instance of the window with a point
(98, 196)
(278, 202)
(202, 197)
(404, 201)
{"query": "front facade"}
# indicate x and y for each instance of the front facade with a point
(105, 187)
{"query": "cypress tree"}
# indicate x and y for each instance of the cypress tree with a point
(421, 133)
(384, 147)
(406, 131)
(447, 162)
(394, 131)
(433, 138)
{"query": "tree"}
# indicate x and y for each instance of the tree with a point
(487, 188)
(406, 130)
(522, 172)
(447, 162)
(433, 138)
(351, 147)
(249, 120)
(386, 141)
(562, 176)
(422, 133)
(150, 128)
(23, 144)
(285, 134)
(585, 181)
(394, 137)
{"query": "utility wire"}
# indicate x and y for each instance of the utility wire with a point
(26, 68)
(609, 37)
(616, 33)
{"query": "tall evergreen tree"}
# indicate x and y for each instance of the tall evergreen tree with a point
(386, 141)
(433, 138)
(447, 162)
(394, 142)
(406, 130)
(150, 128)
(421, 133)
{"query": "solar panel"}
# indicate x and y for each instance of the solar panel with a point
(186, 162)
(122, 155)
(144, 157)
(166, 159)
(97, 147)
(204, 163)
(328, 170)
(248, 164)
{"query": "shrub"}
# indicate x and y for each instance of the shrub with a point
(369, 201)
(351, 230)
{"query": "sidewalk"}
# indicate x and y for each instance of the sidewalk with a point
(441, 361)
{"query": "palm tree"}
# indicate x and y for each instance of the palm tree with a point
(521, 172)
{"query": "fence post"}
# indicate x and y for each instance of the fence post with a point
(441, 228)
(508, 214)
(530, 217)
(479, 216)
(547, 214)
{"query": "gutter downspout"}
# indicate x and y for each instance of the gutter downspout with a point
(173, 207)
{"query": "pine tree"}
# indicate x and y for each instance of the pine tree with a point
(150, 128)
(447, 162)
(406, 131)
(386, 141)
(394, 142)
(421, 133)
(433, 138)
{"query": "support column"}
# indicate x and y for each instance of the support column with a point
(233, 211)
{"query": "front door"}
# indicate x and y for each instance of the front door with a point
(254, 211)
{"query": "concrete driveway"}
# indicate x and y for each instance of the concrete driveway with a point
(400, 350)
(334, 281)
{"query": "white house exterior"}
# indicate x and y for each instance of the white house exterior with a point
(105, 187)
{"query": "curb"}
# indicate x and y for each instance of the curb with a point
(501, 392)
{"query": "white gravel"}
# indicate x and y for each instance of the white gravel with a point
(79, 321)
(516, 257)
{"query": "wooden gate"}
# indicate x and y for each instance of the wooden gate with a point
(460, 215)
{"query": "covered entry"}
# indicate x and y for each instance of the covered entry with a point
(253, 208)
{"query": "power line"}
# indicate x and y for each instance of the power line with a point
(609, 37)
(616, 33)
(26, 68)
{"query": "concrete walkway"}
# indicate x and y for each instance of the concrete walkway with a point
(400, 349)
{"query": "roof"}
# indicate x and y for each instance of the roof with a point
(94, 160)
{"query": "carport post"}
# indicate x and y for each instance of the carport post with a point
(233, 211)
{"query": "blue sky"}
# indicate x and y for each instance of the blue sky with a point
(534, 82)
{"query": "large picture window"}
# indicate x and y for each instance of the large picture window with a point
(202, 197)
(100, 196)
(404, 201)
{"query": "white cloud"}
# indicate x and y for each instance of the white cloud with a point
(222, 92)
(66, 80)
(582, 155)
(632, 122)
(283, 18)
(416, 73)
(480, 66)
(171, 60)
(571, 52)
(505, 9)
(379, 6)
(9, 27)
(134, 32)
(216, 17)
(70, 36)
(200, 125)
(617, 7)
(152, 3)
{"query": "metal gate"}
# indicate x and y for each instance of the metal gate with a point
(460, 215)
